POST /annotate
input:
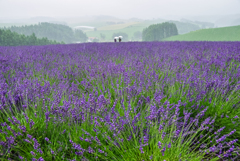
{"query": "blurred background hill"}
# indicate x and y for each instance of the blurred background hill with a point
(101, 28)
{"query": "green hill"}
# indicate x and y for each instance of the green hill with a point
(131, 27)
(9, 38)
(213, 34)
(57, 32)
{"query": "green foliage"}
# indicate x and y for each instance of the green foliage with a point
(103, 36)
(57, 32)
(213, 34)
(157, 32)
(184, 27)
(137, 35)
(80, 36)
(8, 38)
(124, 35)
(95, 40)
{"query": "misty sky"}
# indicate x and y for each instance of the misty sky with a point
(117, 8)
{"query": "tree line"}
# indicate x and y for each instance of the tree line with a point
(158, 32)
(185, 27)
(9, 38)
(57, 32)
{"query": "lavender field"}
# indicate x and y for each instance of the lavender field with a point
(135, 101)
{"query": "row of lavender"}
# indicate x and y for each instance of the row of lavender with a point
(127, 100)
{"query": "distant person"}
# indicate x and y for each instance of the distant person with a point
(120, 38)
(115, 39)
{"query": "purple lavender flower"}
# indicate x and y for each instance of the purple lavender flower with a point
(29, 136)
(169, 145)
(159, 145)
(100, 151)
(31, 123)
(40, 151)
(32, 153)
(236, 117)
(23, 128)
(141, 149)
(9, 119)
(47, 139)
(20, 157)
(163, 150)
(52, 152)
(40, 159)
(151, 157)
(26, 117)
(36, 144)
(27, 141)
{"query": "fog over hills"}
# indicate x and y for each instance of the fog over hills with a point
(200, 10)
(107, 17)
(217, 20)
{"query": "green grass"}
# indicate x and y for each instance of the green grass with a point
(108, 30)
(213, 34)
(128, 30)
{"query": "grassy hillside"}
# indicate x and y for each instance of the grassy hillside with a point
(131, 27)
(117, 26)
(110, 25)
(214, 34)
(8, 38)
(57, 32)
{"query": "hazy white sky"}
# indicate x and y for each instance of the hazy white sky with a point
(117, 8)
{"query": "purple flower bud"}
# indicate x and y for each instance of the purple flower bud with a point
(52, 152)
(236, 117)
(169, 145)
(151, 157)
(40, 159)
(100, 151)
(20, 157)
(31, 123)
(40, 151)
(163, 150)
(47, 139)
(23, 128)
(28, 141)
(32, 153)
(159, 145)
(141, 149)
(9, 119)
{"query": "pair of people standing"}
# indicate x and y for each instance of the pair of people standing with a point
(119, 39)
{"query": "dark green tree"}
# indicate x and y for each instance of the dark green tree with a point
(95, 40)
(51, 31)
(8, 38)
(102, 36)
(137, 35)
(157, 32)
(80, 36)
